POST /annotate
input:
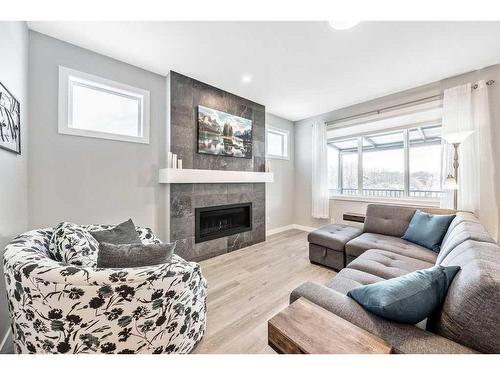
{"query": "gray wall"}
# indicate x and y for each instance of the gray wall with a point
(13, 167)
(280, 195)
(303, 138)
(185, 96)
(90, 180)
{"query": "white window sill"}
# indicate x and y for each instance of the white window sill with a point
(405, 201)
(102, 135)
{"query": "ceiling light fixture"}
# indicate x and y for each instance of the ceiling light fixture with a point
(246, 78)
(343, 25)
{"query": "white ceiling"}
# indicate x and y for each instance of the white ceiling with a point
(298, 69)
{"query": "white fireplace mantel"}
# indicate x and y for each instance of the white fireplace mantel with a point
(208, 176)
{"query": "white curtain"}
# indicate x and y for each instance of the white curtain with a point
(457, 118)
(465, 108)
(487, 205)
(320, 195)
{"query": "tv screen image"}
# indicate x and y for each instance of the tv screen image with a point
(220, 133)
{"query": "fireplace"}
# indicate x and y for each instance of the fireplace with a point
(220, 221)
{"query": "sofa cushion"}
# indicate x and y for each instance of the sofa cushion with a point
(366, 241)
(470, 312)
(124, 233)
(386, 264)
(409, 298)
(393, 220)
(350, 278)
(73, 244)
(460, 217)
(462, 231)
(428, 230)
(333, 236)
(133, 255)
(146, 235)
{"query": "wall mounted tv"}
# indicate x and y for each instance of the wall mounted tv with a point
(220, 133)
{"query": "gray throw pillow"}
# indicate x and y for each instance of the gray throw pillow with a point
(124, 233)
(407, 299)
(133, 255)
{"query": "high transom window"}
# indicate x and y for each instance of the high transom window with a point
(277, 143)
(92, 106)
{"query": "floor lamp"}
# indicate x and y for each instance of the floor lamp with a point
(451, 181)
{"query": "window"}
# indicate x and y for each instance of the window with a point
(425, 162)
(402, 163)
(383, 165)
(349, 171)
(277, 143)
(92, 106)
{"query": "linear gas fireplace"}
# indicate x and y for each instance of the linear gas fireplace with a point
(220, 221)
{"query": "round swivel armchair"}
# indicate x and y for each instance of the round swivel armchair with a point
(61, 308)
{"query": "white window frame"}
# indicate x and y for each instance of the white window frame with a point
(68, 78)
(285, 145)
(406, 148)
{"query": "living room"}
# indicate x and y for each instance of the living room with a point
(169, 190)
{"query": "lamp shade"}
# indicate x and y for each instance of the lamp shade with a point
(457, 137)
(450, 183)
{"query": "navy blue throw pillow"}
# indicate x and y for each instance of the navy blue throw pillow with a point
(428, 230)
(407, 299)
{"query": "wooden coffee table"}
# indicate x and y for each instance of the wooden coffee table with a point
(306, 328)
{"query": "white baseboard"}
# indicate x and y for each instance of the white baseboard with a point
(303, 228)
(279, 230)
(289, 227)
(4, 340)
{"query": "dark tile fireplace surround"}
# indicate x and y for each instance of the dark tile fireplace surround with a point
(187, 201)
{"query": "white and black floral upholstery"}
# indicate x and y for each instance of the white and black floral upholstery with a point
(73, 244)
(57, 307)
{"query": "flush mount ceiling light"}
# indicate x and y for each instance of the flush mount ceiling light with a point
(343, 25)
(246, 78)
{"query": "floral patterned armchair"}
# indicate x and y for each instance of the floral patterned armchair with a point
(59, 308)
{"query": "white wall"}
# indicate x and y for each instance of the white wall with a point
(90, 180)
(13, 167)
(303, 140)
(280, 194)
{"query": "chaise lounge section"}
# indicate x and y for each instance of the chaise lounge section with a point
(467, 322)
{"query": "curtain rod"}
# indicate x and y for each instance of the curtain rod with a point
(489, 83)
(406, 104)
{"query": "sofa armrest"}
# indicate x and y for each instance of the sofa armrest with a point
(405, 338)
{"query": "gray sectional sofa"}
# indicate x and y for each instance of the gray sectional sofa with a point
(468, 321)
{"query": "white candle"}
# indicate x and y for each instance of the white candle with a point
(169, 159)
(179, 164)
(174, 161)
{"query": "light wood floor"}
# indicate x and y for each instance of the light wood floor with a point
(249, 286)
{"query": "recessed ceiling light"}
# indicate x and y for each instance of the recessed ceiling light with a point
(246, 78)
(343, 25)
